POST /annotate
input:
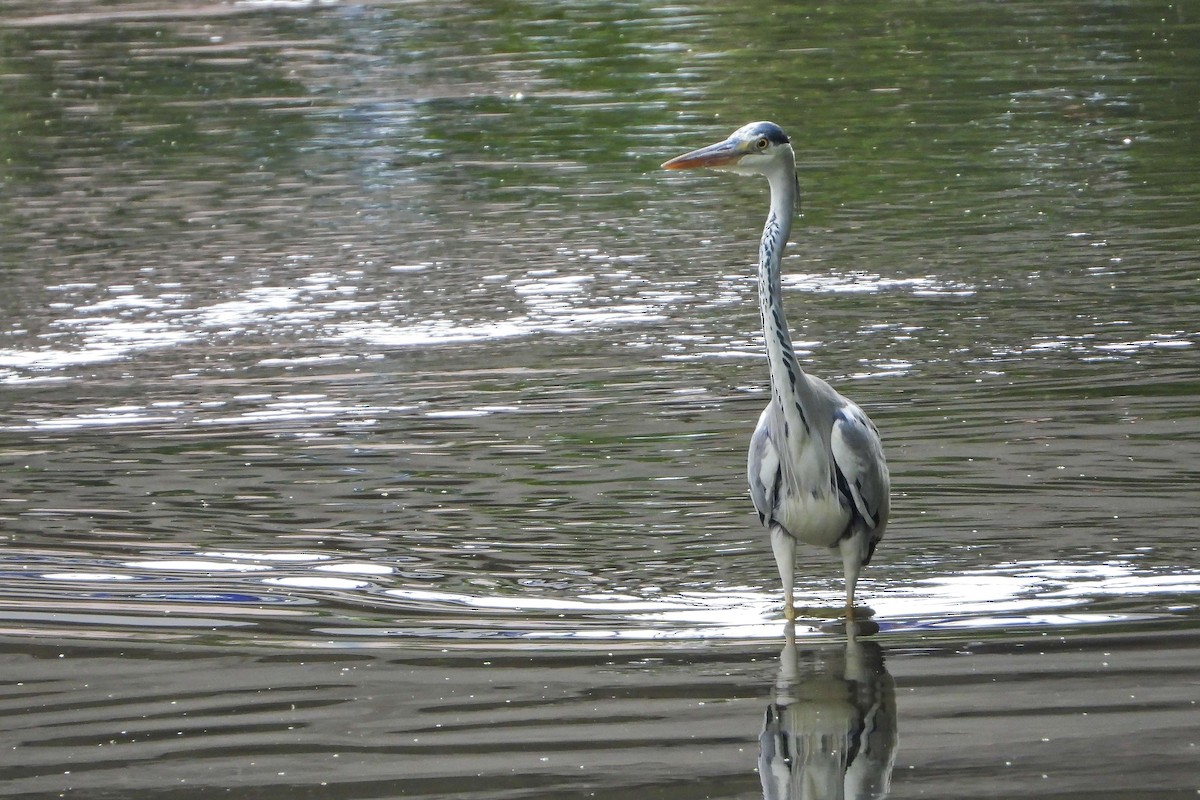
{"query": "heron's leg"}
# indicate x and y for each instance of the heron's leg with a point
(784, 547)
(851, 548)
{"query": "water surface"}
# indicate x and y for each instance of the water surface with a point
(374, 410)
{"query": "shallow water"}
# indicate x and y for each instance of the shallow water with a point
(374, 410)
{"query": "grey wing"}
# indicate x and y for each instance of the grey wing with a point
(862, 470)
(763, 470)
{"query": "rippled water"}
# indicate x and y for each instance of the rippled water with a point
(374, 411)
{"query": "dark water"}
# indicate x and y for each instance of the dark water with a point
(374, 411)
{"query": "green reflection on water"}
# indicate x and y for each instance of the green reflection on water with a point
(142, 95)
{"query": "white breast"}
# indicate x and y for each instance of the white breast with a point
(814, 519)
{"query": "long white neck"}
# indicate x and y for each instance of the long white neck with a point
(787, 379)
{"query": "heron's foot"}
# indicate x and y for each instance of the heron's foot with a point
(858, 627)
(836, 613)
(859, 612)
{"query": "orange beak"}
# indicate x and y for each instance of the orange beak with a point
(721, 154)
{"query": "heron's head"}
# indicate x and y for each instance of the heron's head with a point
(754, 149)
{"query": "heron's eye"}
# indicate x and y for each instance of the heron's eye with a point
(762, 144)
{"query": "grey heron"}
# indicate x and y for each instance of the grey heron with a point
(816, 467)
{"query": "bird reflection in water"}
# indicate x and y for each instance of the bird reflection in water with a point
(830, 732)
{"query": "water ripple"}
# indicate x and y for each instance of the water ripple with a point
(343, 600)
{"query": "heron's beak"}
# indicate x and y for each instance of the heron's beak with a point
(715, 156)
